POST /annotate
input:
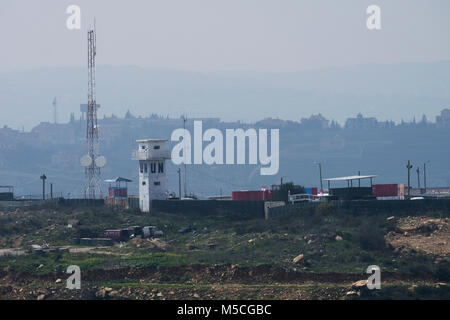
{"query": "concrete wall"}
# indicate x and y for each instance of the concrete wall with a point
(394, 207)
(271, 204)
(6, 196)
(81, 202)
(246, 209)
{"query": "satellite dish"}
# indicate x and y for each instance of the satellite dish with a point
(100, 161)
(86, 161)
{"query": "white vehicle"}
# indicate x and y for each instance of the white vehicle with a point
(302, 198)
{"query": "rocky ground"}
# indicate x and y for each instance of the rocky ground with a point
(421, 234)
(206, 282)
(310, 256)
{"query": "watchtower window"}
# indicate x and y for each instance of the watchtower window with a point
(156, 147)
(144, 183)
(157, 183)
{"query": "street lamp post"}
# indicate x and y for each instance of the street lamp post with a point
(418, 178)
(320, 175)
(409, 167)
(425, 176)
(43, 178)
(281, 181)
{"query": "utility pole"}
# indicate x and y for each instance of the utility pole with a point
(185, 168)
(281, 181)
(409, 167)
(320, 175)
(359, 180)
(51, 190)
(179, 182)
(43, 178)
(418, 177)
(425, 176)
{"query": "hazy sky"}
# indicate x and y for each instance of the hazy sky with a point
(223, 35)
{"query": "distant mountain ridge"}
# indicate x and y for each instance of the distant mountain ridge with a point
(388, 92)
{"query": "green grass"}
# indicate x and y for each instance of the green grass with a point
(274, 242)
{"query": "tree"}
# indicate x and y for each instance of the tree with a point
(281, 194)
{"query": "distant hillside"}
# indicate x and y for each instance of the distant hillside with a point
(366, 145)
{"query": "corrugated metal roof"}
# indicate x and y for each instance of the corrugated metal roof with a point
(119, 179)
(151, 140)
(348, 178)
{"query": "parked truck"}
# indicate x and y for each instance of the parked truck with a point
(118, 234)
(126, 234)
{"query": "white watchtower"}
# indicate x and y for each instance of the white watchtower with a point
(152, 155)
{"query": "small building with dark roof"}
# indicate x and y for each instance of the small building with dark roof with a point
(353, 191)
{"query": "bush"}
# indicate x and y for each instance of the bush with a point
(324, 208)
(366, 257)
(371, 237)
(88, 232)
(282, 193)
(442, 271)
(419, 268)
(255, 226)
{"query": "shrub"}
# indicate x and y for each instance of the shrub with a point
(282, 193)
(371, 237)
(442, 271)
(324, 208)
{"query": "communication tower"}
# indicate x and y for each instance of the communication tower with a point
(92, 161)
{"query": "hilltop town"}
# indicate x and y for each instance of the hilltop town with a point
(343, 149)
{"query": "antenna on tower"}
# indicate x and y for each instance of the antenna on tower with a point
(92, 161)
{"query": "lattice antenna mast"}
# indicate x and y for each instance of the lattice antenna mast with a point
(93, 170)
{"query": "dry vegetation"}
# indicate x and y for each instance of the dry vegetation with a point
(316, 255)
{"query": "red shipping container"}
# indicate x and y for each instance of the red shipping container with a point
(251, 195)
(112, 234)
(116, 192)
(385, 190)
